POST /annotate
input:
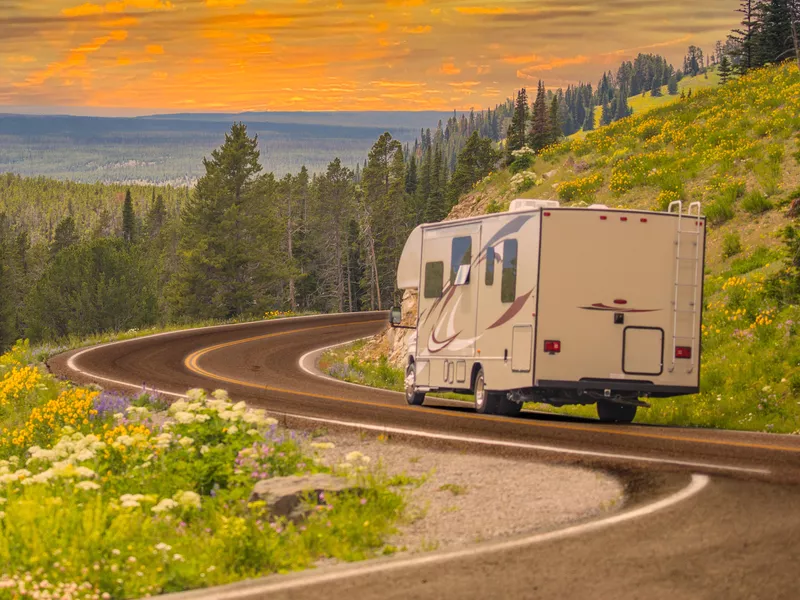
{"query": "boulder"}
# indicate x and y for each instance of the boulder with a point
(550, 174)
(284, 496)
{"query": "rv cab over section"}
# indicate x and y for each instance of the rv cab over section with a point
(559, 305)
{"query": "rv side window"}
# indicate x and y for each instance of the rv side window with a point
(508, 287)
(490, 266)
(434, 279)
(461, 255)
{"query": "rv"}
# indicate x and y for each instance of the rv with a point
(557, 305)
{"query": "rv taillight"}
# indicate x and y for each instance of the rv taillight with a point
(552, 346)
(683, 352)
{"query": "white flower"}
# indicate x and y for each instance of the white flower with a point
(186, 442)
(239, 407)
(163, 440)
(85, 473)
(233, 429)
(204, 449)
(194, 406)
(131, 500)
(323, 445)
(83, 455)
(345, 466)
(125, 440)
(196, 394)
(2, 515)
(188, 499)
(220, 394)
(178, 406)
(163, 547)
(87, 486)
(201, 418)
(353, 456)
(115, 552)
(184, 417)
(177, 557)
(118, 416)
(165, 505)
(228, 415)
(252, 432)
(3, 500)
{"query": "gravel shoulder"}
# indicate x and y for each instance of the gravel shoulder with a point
(456, 498)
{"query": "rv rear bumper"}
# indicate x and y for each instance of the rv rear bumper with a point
(643, 388)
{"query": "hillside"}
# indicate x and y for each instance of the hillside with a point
(735, 148)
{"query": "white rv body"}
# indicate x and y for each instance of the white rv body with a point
(560, 305)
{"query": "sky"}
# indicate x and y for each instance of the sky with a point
(137, 56)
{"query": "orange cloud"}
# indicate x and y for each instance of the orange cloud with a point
(418, 29)
(521, 60)
(154, 49)
(75, 58)
(225, 3)
(485, 10)
(449, 68)
(118, 6)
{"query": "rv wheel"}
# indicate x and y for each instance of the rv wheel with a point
(486, 403)
(612, 412)
(509, 408)
(413, 397)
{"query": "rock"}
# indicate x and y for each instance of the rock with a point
(550, 174)
(794, 209)
(284, 495)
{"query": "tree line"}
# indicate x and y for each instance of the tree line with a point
(241, 243)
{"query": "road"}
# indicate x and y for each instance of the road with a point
(738, 537)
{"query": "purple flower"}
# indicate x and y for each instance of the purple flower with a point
(109, 403)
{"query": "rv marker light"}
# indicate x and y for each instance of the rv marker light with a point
(643, 220)
(603, 217)
(623, 218)
(552, 346)
(683, 352)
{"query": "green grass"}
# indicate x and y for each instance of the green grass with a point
(129, 497)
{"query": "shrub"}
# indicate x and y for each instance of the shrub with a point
(719, 211)
(731, 245)
(756, 203)
(760, 257)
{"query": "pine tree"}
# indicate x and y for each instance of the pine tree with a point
(744, 38)
(774, 39)
(724, 70)
(588, 124)
(794, 26)
(64, 237)
(475, 161)
(540, 121)
(229, 236)
(516, 136)
(655, 89)
(156, 216)
(554, 121)
(672, 86)
(128, 219)
(606, 118)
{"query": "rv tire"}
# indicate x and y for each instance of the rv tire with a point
(413, 397)
(486, 403)
(613, 412)
(509, 408)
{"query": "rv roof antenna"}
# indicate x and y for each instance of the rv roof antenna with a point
(521, 204)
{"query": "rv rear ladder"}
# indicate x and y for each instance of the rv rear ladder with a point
(693, 215)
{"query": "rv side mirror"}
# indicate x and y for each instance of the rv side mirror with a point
(395, 316)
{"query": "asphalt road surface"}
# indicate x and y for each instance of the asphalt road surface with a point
(737, 537)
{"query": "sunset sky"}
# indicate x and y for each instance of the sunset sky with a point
(232, 55)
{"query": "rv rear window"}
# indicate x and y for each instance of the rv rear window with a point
(508, 286)
(434, 279)
(461, 255)
(489, 266)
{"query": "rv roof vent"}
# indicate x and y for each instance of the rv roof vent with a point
(598, 206)
(530, 204)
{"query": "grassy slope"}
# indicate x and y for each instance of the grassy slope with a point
(724, 147)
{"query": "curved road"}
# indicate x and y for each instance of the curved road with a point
(739, 537)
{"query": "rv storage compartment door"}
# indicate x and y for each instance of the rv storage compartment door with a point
(521, 348)
(643, 351)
